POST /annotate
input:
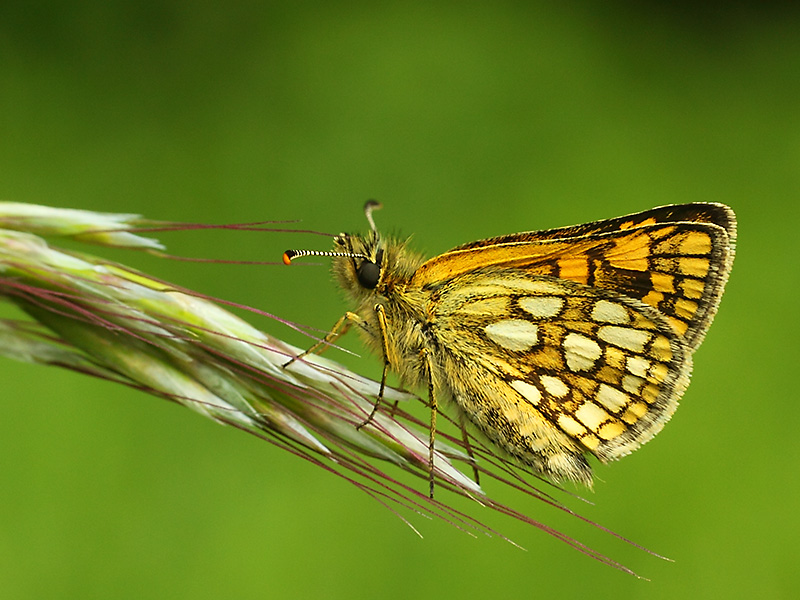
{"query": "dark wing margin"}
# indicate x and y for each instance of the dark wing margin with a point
(699, 212)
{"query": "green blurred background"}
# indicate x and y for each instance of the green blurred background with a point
(467, 121)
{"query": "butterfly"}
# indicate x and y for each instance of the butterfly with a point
(554, 344)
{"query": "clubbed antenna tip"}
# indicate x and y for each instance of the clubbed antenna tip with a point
(288, 256)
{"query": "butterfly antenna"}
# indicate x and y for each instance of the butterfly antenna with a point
(290, 255)
(370, 206)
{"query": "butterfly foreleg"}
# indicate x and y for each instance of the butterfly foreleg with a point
(339, 329)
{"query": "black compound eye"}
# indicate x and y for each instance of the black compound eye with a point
(369, 274)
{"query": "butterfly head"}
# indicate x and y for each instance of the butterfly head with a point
(358, 260)
(364, 264)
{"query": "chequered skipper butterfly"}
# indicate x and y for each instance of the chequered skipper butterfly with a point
(554, 344)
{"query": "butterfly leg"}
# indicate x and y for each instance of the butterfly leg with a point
(381, 314)
(339, 329)
(426, 361)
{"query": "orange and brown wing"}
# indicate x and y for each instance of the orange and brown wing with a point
(674, 258)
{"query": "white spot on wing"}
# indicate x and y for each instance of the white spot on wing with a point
(580, 351)
(632, 383)
(637, 365)
(513, 334)
(542, 307)
(605, 311)
(611, 397)
(530, 392)
(624, 337)
(570, 426)
(554, 386)
(591, 415)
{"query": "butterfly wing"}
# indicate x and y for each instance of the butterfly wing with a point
(698, 212)
(556, 368)
(675, 259)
